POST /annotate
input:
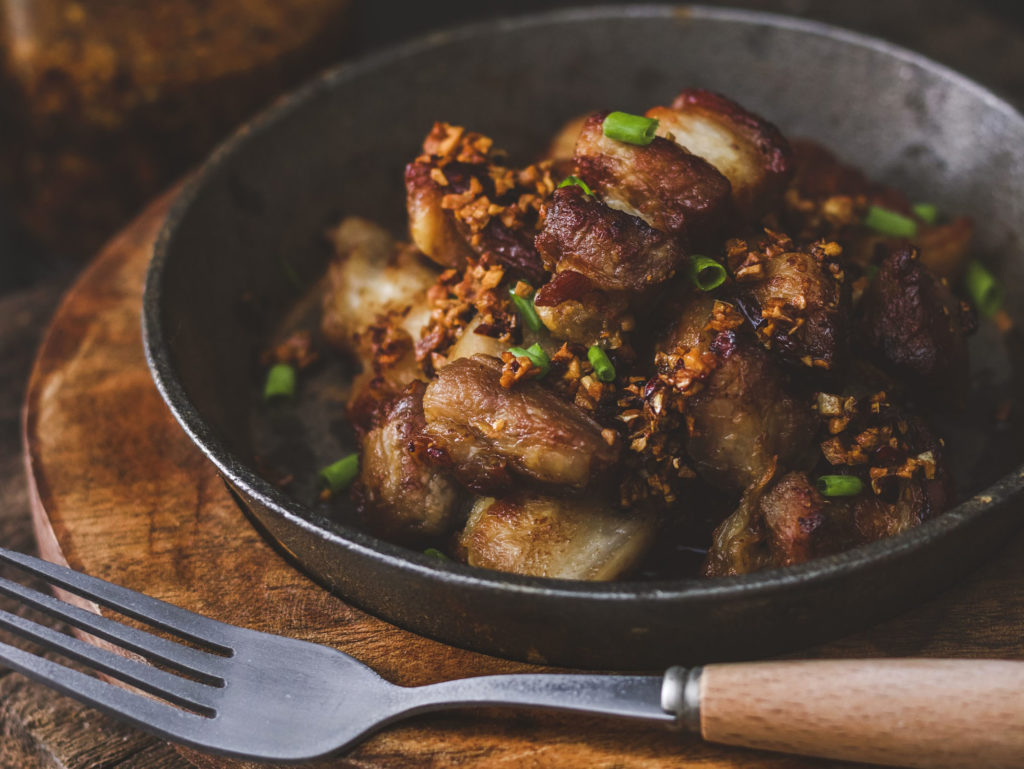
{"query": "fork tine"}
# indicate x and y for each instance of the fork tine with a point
(174, 619)
(199, 663)
(168, 686)
(152, 715)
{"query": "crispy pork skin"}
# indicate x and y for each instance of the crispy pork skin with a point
(671, 189)
(432, 227)
(552, 537)
(527, 428)
(616, 251)
(786, 522)
(374, 307)
(371, 277)
(572, 308)
(403, 496)
(749, 151)
(804, 312)
(913, 324)
(746, 418)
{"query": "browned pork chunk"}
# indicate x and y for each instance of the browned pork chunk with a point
(484, 429)
(749, 151)
(559, 538)
(794, 299)
(463, 203)
(789, 522)
(572, 308)
(616, 251)
(431, 226)
(372, 277)
(669, 188)
(374, 307)
(915, 326)
(403, 497)
(744, 417)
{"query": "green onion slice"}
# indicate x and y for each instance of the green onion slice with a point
(603, 367)
(840, 485)
(984, 290)
(632, 129)
(340, 475)
(871, 271)
(537, 356)
(926, 212)
(575, 181)
(706, 273)
(526, 310)
(433, 552)
(280, 382)
(890, 223)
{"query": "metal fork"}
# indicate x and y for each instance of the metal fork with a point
(259, 696)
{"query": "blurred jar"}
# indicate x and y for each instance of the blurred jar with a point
(105, 102)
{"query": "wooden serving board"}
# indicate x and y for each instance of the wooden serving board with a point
(121, 493)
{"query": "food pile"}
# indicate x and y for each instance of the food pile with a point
(672, 323)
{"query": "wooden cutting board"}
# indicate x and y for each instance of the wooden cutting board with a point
(121, 493)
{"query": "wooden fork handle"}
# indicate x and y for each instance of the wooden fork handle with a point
(918, 713)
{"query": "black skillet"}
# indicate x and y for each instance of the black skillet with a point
(253, 217)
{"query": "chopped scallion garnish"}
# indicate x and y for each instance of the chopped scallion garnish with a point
(603, 367)
(926, 212)
(984, 290)
(536, 355)
(280, 382)
(632, 129)
(340, 475)
(575, 181)
(871, 271)
(706, 273)
(840, 485)
(433, 552)
(890, 223)
(524, 305)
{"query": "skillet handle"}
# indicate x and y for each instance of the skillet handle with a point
(907, 712)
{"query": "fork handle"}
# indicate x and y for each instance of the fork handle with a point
(915, 713)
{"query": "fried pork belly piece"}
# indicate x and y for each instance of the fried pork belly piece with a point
(749, 151)
(374, 307)
(431, 226)
(572, 307)
(471, 343)
(462, 202)
(402, 496)
(559, 538)
(746, 417)
(794, 298)
(616, 251)
(563, 145)
(787, 522)
(915, 326)
(784, 520)
(741, 409)
(484, 429)
(669, 188)
(370, 277)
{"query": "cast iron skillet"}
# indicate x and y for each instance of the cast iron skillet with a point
(216, 286)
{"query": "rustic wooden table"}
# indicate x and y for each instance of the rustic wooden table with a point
(983, 616)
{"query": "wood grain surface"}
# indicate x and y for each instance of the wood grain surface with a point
(932, 714)
(118, 491)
